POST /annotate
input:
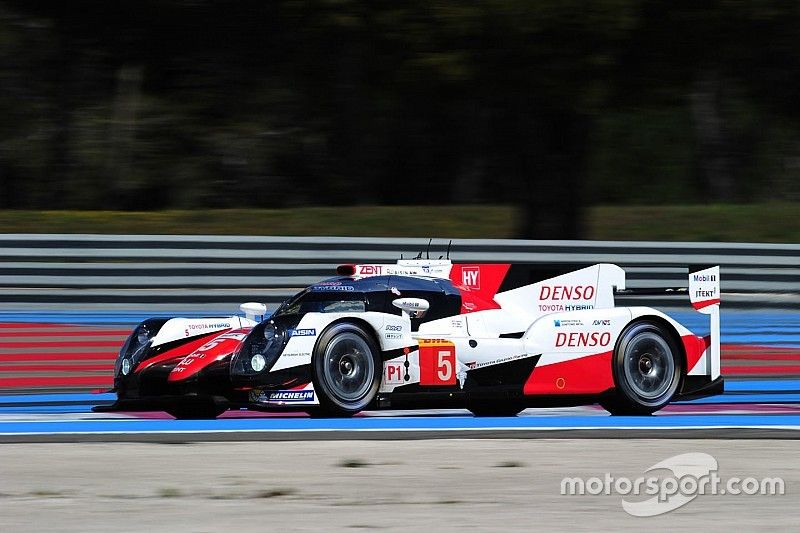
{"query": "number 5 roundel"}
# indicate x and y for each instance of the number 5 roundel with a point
(437, 362)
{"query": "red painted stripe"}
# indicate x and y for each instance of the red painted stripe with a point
(46, 381)
(62, 333)
(61, 344)
(58, 368)
(762, 356)
(66, 356)
(760, 370)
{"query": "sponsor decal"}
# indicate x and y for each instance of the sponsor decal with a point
(392, 336)
(370, 270)
(303, 332)
(297, 354)
(506, 359)
(394, 373)
(567, 323)
(289, 396)
(555, 308)
(342, 288)
(395, 291)
(701, 293)
(216, 325)
(605, 322)
(566, 292)
(437, 362)
(471, 277)
(393, 327)
(583, 339)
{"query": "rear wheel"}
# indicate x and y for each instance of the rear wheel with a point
(347, 370)
(647, 368)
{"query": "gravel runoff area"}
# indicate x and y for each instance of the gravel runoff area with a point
(433, 485)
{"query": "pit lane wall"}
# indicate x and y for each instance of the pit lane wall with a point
(68, 301)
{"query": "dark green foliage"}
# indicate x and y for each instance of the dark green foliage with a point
(548, 104)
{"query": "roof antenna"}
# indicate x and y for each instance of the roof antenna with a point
(428, 250)
(448, 248)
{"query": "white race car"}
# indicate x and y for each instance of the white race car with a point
(494, 338)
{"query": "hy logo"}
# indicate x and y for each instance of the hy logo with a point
(471, 277)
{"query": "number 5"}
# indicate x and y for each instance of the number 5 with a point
(444, 366)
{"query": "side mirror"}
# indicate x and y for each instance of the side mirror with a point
(252, 310)
(414, 307)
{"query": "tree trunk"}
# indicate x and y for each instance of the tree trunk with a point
(717, 184)
(555, 166)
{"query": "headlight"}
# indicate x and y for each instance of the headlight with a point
(260, 349)
(136, 345)
(257, 362)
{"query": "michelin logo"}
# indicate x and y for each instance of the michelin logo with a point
(307, 332)
(291, 396)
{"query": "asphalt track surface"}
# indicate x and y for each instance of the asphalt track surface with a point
(748, 409)
(391, 485)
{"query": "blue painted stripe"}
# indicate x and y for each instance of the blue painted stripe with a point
(746, 399)
(63, 398)
(406, 423)
(758, 385)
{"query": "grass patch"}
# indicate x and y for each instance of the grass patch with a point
(763, 222)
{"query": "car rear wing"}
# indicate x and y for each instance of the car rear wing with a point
(704, 295)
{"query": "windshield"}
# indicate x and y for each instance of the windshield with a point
(321, 302)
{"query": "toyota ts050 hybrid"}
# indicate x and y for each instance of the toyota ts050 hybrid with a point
(494, 338)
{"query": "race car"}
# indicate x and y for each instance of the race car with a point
(422, 333)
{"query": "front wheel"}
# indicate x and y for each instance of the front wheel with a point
(647, 368)
(347, 370)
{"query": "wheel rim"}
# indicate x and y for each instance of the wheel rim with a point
(349, 367)
(649, 365)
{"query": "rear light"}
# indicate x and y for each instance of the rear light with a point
(346, 270)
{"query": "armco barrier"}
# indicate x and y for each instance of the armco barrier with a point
(76, 271)
(43, 274)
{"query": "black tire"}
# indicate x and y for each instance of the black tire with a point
(347, 370)
(496, 409)
(647, 366)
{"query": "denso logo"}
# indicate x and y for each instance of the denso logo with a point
(370, 270)
(471, 277)
(577, 339)
(566, 292)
